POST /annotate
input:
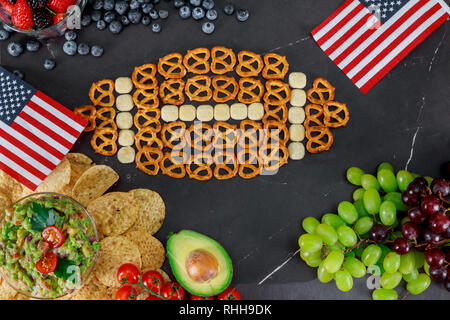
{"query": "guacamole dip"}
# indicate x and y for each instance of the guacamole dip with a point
(47, 245)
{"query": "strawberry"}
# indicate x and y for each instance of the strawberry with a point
(22, 15)
(7, 5)
(58, 17)
(60, 6)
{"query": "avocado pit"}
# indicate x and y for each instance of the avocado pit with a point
(201, 265)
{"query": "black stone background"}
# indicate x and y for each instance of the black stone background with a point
(258, 221)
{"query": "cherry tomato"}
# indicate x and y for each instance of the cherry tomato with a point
(125, 292)
(173, 291)
(153, 280)
(194, 297)
(153, 297)
(47, 263)
(230, 294)
(128, 272)
(53, 236)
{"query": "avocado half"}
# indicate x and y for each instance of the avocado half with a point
(200, 264)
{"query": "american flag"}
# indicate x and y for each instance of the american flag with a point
(367, 38)
(36, 132)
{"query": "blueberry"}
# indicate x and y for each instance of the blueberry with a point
(134, 16)
(86, 20)
(124, 20)
(49, 64)
(33, 45)
(96, 15)
(198, 13)
(153, 14)
(15, 49)
(242, 15)
(70, 35)
(147, 7)
(211, 14)
(156, 1)
(18, 74)
(163, 14)
(101, 24)
(146, 20)
(108, 4)
(97, 5)
(83, 49)
(96, 51)
(109, 16)
(195, 3)
(156, 27)
(178, 3)
(208, 4)
(121, 7)
(70, 48)
(208, 27)
(115, 27)
(228, 9)
(4, 34)
(134, 4)
(184, 12)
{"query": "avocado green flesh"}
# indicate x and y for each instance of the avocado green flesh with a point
(181, 244)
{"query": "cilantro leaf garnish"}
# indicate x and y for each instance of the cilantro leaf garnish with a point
(44, 217)
(68, 270)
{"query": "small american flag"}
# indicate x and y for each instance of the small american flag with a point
(36, 132)
(367, 38)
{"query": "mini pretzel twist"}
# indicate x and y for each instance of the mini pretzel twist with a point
(225, 88)
(250, 90)
(249, 163)
(147, 160)
(275, 112)
(319, 139)
(225, 135)
(336, 114)
(251, 134)
(146, 137)
(173, 164)
(146, 98)
(87, 112)
(173, 135)
(321, 92)
(274, 156)
(277, 131)
(171, 92)
(148, 118)
(144, 77)
(200, 57)
(250, 64)
(171, 66)
(101, 93)
(103, 141)
(226, 165)
(219, 60)
(313, 115)
(199, 136)
(277, 92)
(277, 69)
(199, 167)
(198, 88)
(104, 117)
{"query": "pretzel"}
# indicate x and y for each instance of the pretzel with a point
(270, 156)
(250, 64)
(336, 114)
(101, 96)
(222, 92)
(275, 112)
(250, 90)
(277, 92)
(87, 112)
(147, 160)
(104, 118)
(199, 136)
(222, 60)
(320, 90)
(146, 137)
(249, 131)
(225, 161)
(251, 167)
(202, 164)
(146, 98)
(176, 132)
(201, 60)
(104, 139)
(277, 69)
(198, 88)
(225, 135)
(148, 118)
(174, 94)
(313, 113)
(145, 76)
(277, 131)
(171, 66)
(319, 139)
(173, 164)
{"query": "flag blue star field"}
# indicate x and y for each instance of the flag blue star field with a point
(367, 38)
(36, 132)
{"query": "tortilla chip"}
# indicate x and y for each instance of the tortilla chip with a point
(79, 163)
(5, 202)
(57, 179)
(93, 290)
(94, 182)
(6, 292)
(21, 297)
(114, 252)
(114, 213)
(152, 210)
(152, 250)
(10, 186)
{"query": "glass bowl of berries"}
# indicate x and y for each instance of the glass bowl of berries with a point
(41, 18)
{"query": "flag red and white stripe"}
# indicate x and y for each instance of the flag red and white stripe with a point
(366, 49)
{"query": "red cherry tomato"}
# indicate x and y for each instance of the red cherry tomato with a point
(173, 291)
(230, 294)
(153, 280)
(47, 263)
(125, 292)
(194, 297)
(53, 236)
(153, 297)
(128, 272)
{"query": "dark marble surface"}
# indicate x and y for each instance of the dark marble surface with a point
(404, 119)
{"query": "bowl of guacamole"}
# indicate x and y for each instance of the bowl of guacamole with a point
(48, 245)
